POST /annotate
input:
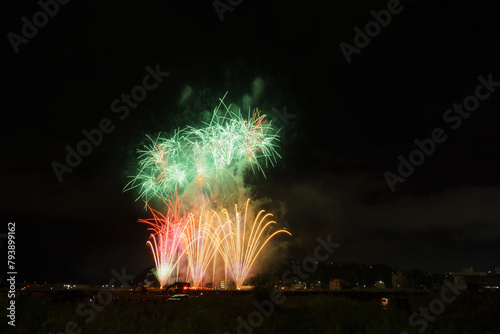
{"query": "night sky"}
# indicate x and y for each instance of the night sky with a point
(347, 125)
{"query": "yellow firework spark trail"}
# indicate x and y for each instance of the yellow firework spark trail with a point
(241, 244)
(201, 234)
(201, 238)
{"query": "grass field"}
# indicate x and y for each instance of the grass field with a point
(219, 314)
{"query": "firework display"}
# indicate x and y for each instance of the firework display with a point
(200, 156)
(202, 236)
(242, 240)
(166, 239)
(193, 240)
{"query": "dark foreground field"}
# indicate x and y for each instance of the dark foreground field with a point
(321, 313)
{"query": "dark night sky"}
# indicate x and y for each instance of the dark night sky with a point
(352, 122)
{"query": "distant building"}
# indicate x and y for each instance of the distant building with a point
(82, 287)
(379, 285)
(470, 272)
(459, 280)
(497, 271)
(481, 283)
(399, 281)
(334, 285)
(476, 280)
(338, 284)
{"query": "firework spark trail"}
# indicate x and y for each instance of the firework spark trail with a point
(166, 256)
(201, 236)
(241, 243)
(167, 236)
(162, 168)
(201, 156)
